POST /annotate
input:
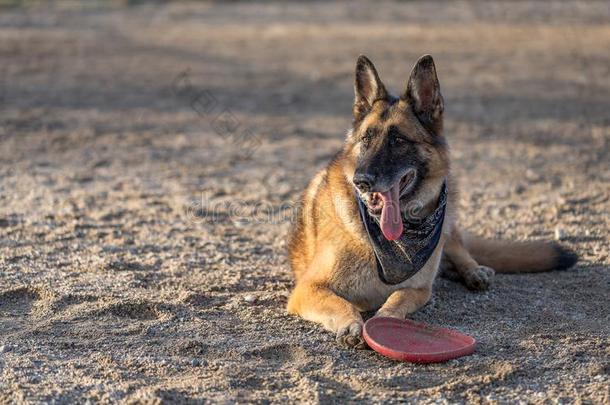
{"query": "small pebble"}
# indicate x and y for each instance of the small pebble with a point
(532, 176)
(250, 298)
(559, 234)
(519, 189)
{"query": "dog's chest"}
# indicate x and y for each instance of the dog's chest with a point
(360, 283)
(368, 292)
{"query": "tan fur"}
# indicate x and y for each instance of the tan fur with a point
(512, 257)
(332, 260)
(330, 254)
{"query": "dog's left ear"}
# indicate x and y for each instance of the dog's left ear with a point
(424, 94)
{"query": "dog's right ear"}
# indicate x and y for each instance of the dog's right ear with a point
(368, 88)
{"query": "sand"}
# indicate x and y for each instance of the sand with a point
(150, 157)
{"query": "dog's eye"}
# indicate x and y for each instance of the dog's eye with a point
(397, 140)
(368, 135)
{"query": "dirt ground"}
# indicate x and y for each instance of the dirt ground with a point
(150, 157)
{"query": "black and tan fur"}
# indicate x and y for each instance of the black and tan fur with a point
(333, 263)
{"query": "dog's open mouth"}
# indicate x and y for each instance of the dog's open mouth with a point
(407, 181)
(387, 205)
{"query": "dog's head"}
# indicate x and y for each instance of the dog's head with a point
(396, 143)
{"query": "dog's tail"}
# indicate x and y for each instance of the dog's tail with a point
(519, 257)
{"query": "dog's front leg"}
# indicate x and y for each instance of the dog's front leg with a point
(404, 302)
(318, 303)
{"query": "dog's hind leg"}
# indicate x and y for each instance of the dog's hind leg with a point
(475, 276)
(447, 270)
(317, 303)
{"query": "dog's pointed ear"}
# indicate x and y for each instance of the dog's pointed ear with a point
(424, 94)
(367, 87)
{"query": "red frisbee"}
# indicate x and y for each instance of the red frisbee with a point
(405, 340)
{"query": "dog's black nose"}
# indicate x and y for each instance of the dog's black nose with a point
(364, 181)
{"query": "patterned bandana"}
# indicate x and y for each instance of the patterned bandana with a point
(400, 259)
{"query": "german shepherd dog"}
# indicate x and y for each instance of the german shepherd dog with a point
(395, 158)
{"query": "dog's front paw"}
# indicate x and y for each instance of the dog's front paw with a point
(480, 279)
(351, 336)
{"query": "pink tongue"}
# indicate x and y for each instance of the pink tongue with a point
(391, 222)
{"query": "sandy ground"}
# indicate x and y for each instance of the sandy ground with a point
(142, 235)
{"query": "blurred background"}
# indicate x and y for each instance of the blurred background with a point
(151, 154)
